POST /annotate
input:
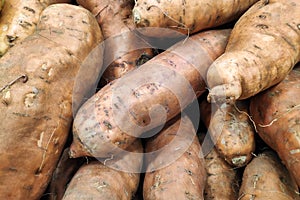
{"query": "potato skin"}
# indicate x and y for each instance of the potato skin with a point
(231, 130)
(19, 19)
(266, 178)
(276, 114)
(98, 181)
(250, 63)
(185, 176)
(186, 17)
(181, 68)
(37, 113)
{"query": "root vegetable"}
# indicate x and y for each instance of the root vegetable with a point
(262, 49)
(37, 78)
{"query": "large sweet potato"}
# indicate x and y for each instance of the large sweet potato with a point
(276, 113)
(19, 19)
(265, 177)
(37, 78)
(119, 112)
(96, 180)
(178, 170)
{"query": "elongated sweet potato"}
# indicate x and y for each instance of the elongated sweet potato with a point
(165, 85)
(231, 130)
(265, 177)
(98, 181)
(250, 63)
(222, 180)
(19, 19)
(124, 50)
(182, 177)
(186, 16)
(276, 113)
(37, 78)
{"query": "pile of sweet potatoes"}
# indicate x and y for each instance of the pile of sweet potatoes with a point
(166, 99)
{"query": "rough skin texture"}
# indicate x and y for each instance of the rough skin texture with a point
(231, 130)
(222, 179)
(98, 181)
(187, 16)
(36, 110)
(265, 177)
(117, 27)
(276, 113)
(18, 20)
(115, 116)
(185, 176)
(263, 47)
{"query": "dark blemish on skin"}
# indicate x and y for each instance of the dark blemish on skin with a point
(262, 26)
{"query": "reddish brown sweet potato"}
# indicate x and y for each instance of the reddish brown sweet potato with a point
(19, 19)
(266, 178)
(98, 181)
(37, 78)
(123, 47)
(181, 177)
(231, 130)
(262, 49)
(276, 113)
(119, 112)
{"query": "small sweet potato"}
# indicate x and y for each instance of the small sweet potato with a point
(165, 85)
(19, 19)
(124, 49)
(276, 113)
(181, 175)
(231, 130)
(222, 180)
(262, 49)
(37, 78)
(187, 16)
(265, 177)
(95, 180)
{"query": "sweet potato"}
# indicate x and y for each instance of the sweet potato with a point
(262, 49)
(37, 78)
(180, 176)
(231, 130)
(98, 181)
(265, 177)
(119, 112)
(277, 115)
(117, 27)
(186, 17)
(222, 180)
(19, 19)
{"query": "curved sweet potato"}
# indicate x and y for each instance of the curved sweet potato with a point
(250, 63)
(182, 177)
(114, 18)
(276, 113)
(37, 78)
(231, 130)
(266, 178)
(19, 19)
(98, 181)
(166, 84)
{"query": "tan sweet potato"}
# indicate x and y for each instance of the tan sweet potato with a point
(37, 78)
(277, 115)
(222, 180)
(124, 50)
(265, 177)
(119, 112)
(180, 176)
(18, 20)
(186, 17)
(231, 130)
(263, 47)
(98, 181)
